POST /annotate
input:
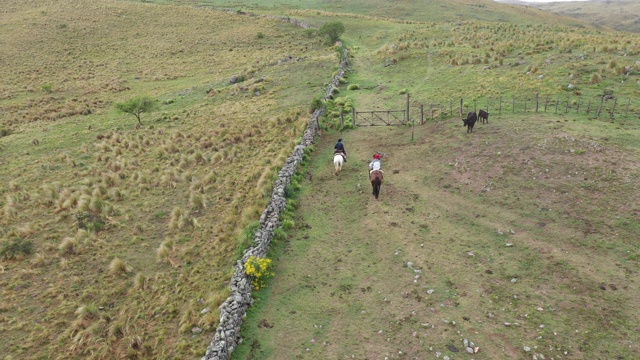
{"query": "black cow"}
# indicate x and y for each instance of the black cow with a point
(484, 116)
(470, 121)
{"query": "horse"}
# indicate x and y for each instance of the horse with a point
(338, 160)
(376, 182)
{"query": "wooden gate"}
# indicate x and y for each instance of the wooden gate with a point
(380, 118)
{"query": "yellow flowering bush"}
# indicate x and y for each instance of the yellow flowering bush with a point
(259, 269)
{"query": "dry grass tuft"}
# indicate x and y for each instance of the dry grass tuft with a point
(140, 281)
(68, 245)
(197, 201)
(39, 260)
(118, 267)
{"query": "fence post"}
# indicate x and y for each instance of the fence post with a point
(421, 114)
(500, 106)
(407, 114)
(475, 107)
(615, 102)
(600, 108)
(353, 116)
(514, 104)
(525, 104)
(450, 108)
(536, 102)
(546, 102)
(627, 111)
(461, 107)
(566, 109)
(341, 120)
(557, 102)
(578, 107)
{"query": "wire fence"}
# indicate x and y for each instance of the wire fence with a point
(595, 107)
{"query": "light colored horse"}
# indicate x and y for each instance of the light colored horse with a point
(338, 160)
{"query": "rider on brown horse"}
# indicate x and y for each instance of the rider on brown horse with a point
(375, 164)
(339, 147)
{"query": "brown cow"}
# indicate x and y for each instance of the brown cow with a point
(484, 116)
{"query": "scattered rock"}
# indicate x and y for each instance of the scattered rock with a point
(196, 330)
(452, 348)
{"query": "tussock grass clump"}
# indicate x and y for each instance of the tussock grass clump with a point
(64, 264)
(140, 281)
(68, 245)
(39, 260)
(197, 201)
(118, 267)
(162, 253)
(596, 78)
(179, 219)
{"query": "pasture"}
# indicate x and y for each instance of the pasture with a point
(520, 237)
(117, 240)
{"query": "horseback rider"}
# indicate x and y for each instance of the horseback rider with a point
(339, 149)
(375, 164)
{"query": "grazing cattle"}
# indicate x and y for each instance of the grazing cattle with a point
(484, 116)
(470, 121)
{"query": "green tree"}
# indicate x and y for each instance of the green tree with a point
(332, 30)
(136, 106)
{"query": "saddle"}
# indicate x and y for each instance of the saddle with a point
(341, 153)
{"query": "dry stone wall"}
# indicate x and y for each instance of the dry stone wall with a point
(233, 310)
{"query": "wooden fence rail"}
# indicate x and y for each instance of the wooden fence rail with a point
(606, 106)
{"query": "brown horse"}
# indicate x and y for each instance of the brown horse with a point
(376, 182)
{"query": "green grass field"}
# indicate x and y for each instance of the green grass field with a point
(118, 240)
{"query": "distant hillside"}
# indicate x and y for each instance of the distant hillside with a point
(434, 11)
(621, 15)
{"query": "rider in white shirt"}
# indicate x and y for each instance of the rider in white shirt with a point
(375, 164)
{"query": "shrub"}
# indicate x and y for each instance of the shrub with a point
(353, 87)
(89, 221)
(332, 31)
(596, 78)
(259, 269)
(16, 248)
(260, 35)
(316, 104)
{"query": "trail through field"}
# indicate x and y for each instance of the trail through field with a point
(451, 261)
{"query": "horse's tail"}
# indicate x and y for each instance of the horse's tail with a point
(376, 183)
